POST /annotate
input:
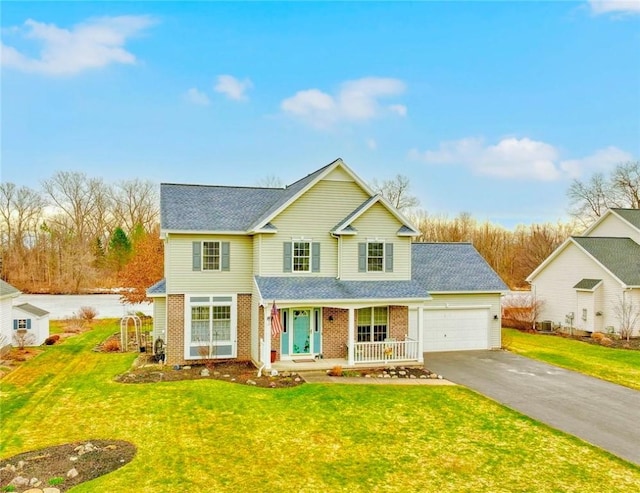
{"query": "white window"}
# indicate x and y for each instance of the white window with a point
(301, 256)
(372, 324)
(210, 255)
(584, 314)
(22, 324)
(375, 256)
(210, 322)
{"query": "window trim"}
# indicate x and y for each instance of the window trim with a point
(381, 258)
(372, 324)
(202, 260)
(308, 257)
(22, 324)
(211, 300)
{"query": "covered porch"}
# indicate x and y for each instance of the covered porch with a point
(307, 332)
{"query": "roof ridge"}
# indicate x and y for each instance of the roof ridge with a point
(249, 187)
(313, 172)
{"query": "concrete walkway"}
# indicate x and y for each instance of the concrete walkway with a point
(601, 413)
(322, 377)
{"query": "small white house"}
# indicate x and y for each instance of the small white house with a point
(32, 319)
(7, 294)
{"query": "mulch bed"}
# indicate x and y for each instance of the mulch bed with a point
(50, 467)
(240, 372)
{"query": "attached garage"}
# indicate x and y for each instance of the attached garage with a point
(456, 329)
(464, 310)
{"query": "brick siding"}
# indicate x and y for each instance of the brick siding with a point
(176, 329)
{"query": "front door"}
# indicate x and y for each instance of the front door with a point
(301, 340)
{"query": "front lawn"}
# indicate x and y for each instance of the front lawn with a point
(217, 436)
(621, 366)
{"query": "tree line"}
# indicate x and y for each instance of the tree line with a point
(76, 233)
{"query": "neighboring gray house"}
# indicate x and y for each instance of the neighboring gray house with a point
(333, 261)
(586, 280)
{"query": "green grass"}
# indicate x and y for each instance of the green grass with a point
(621, 366)
(218, 436)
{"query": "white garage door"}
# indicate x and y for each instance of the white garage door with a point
(456, 329)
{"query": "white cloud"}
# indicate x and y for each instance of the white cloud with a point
(196, 96)
(601, 160)
(233, 88)
(357, 100)
(399, 109)
(509, 158)
(615, 6)
(92, 44)
(513, 158)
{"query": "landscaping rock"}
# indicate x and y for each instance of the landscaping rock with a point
(72, 473)
(204, 372)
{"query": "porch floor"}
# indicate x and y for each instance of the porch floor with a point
(327, 364)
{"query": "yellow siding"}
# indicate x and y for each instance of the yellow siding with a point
(612, 225)
(338, 174)
(377, 223)
(484, 299)
(159, 318)
(554, 287)
(311, 217)
(181, 278)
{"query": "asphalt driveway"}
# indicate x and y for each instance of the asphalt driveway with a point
(601, 413)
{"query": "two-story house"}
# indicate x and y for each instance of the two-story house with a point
(592, 282)
(322, 269)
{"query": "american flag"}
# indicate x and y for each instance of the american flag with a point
(276, 325)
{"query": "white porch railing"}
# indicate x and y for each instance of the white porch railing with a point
(386, 351)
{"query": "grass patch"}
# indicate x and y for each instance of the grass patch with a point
(217, 436)
(621, 366)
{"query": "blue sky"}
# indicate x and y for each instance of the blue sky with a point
(490, 108)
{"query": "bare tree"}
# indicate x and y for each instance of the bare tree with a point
(136, 202)
(396, 191)
(270, 181)
(628, 314)
(625, 180)
(589, 200)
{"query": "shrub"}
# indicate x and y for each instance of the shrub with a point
(336, 371)
(597, 336)
(75, 323)
(87, 313)
(111, 345)
(51, 340)
(605, 341)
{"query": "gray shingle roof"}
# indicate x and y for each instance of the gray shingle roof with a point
(330, 288)
(621, 256)
(158, 288)
(587, 284)
(34, 310)
(630, 215)
(7, 289)
(223, 208)
(213, 208)
(447, 267)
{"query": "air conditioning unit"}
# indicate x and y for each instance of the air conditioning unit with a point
(546, 326)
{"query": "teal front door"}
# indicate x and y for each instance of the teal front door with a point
(301, 340)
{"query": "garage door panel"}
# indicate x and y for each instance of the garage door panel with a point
(456, 329)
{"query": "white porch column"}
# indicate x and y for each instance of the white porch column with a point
(420, 334)
(351, 336)
(266, 353)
